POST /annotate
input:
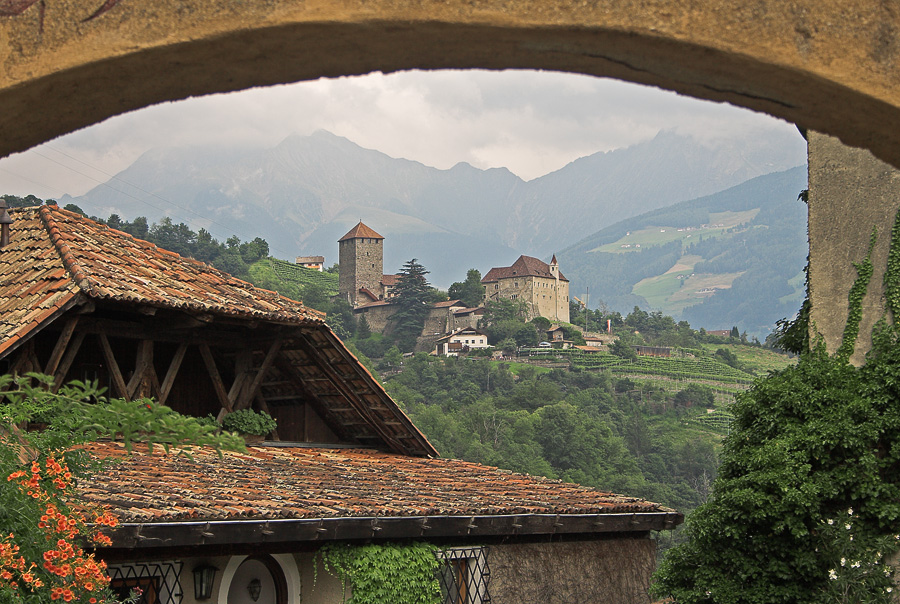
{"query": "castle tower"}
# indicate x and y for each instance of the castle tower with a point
(561, 292)
(360, 255)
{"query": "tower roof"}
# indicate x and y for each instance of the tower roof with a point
(360, 231)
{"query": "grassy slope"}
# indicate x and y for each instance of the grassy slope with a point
(719, 223)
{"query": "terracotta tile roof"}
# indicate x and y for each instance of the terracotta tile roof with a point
(390, 280)
(479, 310)
(525, 266)
(56, 258)
(447, 304)
(367, 292)
(361, 231)
(297, 483)
(373, 304)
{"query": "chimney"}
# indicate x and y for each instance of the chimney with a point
(5, 221)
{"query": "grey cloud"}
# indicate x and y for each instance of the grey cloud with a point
(531, 122)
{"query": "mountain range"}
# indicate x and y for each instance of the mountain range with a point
(303, 194)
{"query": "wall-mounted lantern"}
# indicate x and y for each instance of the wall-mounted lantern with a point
(254, 587)
(204, 576)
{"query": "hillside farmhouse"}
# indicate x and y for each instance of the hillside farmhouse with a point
(314, 262)
(345, 464)
(541, 286)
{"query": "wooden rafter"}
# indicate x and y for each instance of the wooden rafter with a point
(312, 402)
(352, 397)
(115, 373)
(213, 371)
(61, 344)
(67, 360)
(174, 366)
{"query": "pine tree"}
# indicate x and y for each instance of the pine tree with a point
(363, 331)
(413, 293)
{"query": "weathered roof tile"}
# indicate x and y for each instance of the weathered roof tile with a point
(300, 483)
(55, 255)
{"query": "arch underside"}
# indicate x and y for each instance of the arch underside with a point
(58, 101)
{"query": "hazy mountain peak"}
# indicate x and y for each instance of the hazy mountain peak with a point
(292, 193)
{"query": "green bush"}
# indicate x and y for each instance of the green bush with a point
(248, 421)
(807, 444)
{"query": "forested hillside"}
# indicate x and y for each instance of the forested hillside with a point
(586, 427)
(733, 258)
(646, 426)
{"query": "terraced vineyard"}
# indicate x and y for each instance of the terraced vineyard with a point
(717, 421)
(304, 276)
(697, 368)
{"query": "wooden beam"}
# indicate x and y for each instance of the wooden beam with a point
(67, 361)
(61, 343)
(25, 360)
(242, 362)
(140, 384)
(264, 535)
(174, 366)
(174, 330)
(250, 393)
(114, 372)
(314, 403)
(213, 371)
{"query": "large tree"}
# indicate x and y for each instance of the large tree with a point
(470, 291)
(413, 294)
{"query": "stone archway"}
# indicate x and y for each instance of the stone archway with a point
(824, 65)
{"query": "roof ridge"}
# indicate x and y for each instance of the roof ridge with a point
(82, 280)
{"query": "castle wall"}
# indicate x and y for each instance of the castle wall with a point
(378, 317)
(542, 296)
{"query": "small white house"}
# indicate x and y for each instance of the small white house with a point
(461, 340)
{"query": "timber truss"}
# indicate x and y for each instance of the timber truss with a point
(251, 364)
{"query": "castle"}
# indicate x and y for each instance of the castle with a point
(541, 286)
(362, 282)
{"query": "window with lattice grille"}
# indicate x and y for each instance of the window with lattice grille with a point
(159, 582)
(464, 575)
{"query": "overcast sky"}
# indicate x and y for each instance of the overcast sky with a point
(530, 122)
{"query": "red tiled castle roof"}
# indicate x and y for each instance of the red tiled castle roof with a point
(525, 266)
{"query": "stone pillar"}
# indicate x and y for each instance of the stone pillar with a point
(850, 192)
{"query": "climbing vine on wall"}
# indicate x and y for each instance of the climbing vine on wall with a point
(892, 272)
(855, 298)
(391, 572)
